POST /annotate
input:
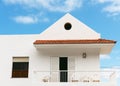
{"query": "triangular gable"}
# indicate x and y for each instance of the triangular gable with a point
(78, 30)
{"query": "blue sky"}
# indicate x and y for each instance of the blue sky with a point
(34, 16)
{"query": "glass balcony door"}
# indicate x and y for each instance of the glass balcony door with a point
(63, 67)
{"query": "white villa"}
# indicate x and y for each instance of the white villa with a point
(65, 54)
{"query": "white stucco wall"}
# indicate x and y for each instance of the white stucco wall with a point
(90, 63)
(19, 45)
(78, 30)
(22, 45)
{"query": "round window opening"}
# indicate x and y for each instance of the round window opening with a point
(67, 26)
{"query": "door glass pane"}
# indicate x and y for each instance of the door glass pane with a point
(63, 67)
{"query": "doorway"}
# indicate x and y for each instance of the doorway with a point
(63, 67)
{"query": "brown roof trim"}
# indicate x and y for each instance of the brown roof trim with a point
(91, 41)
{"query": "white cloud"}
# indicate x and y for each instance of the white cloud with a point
(25, 19)
(51, 5)
(117, 54)
(30, 19)
(112, 7)
(41, 6)
(101, 1)
(105, 57)
(45, 20)
(113, 69)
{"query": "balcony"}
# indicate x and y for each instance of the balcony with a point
(101, 78)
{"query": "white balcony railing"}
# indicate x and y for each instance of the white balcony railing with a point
(76, 76)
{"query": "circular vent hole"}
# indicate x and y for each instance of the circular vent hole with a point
(67, 26)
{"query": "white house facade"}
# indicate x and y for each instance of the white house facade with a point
(65, 54)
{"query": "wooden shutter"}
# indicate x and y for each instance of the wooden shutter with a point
(20, 67)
